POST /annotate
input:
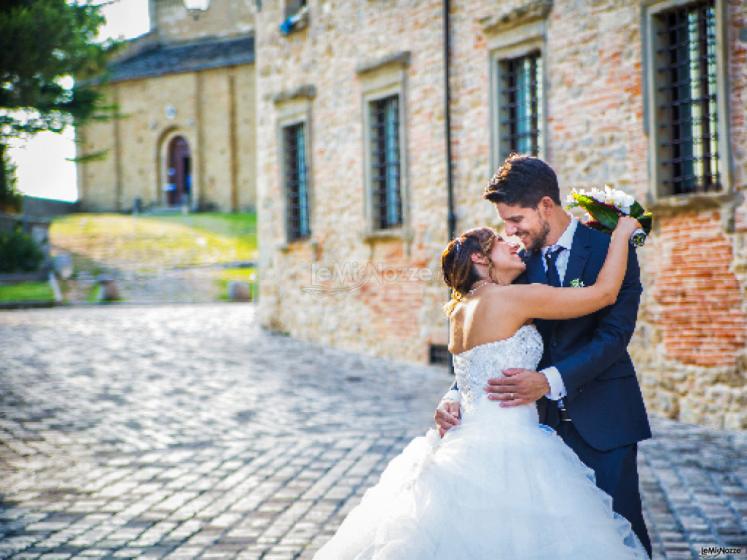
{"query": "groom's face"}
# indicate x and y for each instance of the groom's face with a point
(528, 224)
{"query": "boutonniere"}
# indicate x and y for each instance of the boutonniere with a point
(577, 283)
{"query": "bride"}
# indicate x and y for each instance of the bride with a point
(499, 485)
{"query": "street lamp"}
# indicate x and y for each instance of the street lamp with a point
(196, 7)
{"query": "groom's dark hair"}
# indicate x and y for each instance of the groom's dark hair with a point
(523, 181)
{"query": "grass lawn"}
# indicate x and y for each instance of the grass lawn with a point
(27, 291)
(153, 242)
(232, 225)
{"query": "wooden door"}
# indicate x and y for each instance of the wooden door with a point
(178, 172)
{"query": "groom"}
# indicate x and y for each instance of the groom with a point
(586, 387)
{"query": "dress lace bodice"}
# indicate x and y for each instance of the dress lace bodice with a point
(475, 366)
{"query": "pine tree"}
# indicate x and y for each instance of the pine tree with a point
(43, 44)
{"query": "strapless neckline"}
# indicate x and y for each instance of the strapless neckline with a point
(499, 341)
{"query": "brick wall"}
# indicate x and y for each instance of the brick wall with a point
(690, 344)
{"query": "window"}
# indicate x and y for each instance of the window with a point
(295, 173)
(520, 119)
(686, 115)
(296, 17)
(385, 162)
(384, 111)
(292, 7)
(517, 84)
(686, 78)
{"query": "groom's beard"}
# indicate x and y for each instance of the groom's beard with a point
(536, 243)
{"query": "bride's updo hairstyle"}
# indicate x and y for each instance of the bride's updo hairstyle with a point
(456, 263)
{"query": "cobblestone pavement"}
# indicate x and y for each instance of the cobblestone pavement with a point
(185, 431)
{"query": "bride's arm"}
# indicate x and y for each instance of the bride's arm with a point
(539, 301)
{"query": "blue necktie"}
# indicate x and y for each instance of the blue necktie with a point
(551, 256)
(553, 278)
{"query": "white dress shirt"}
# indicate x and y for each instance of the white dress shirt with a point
(557, 387)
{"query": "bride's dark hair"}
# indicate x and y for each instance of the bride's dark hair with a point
(456, 263)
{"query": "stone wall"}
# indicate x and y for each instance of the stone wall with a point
(389, 301)
(690, 344)
(173, 22)
(214, 110)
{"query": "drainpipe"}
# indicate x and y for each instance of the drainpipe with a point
(447, 121)
(451, 217)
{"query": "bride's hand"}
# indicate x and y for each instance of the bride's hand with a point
(447, 416)
(627, 225)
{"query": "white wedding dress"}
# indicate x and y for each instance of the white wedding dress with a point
(498, 486)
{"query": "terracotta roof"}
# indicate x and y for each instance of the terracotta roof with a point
(160, 59)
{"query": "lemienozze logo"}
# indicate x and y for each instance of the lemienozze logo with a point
(351, 276)
(720, 551)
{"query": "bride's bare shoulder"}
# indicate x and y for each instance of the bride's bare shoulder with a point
(493, 296)
(497, 293)
(508, 298)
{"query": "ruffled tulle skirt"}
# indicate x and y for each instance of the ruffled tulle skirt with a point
(498, 486)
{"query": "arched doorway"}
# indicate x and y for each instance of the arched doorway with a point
(178, 187)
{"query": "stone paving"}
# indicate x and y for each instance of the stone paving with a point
(185, 431)
(197, 284)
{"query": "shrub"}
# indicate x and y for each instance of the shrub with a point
(19, 252)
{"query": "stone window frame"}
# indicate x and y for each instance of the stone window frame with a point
(656, 195)
(514, 41)
(381, 79)
(294, 108)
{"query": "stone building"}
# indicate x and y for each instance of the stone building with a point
(376, 141)
(187, 136)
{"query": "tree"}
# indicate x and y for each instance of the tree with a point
(49, 57)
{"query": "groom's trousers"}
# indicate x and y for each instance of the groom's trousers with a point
(617, 474)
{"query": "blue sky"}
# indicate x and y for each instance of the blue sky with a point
(42, 163)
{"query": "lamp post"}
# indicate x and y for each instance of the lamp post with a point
(196, 7)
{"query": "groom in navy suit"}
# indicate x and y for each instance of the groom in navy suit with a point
(586, 388)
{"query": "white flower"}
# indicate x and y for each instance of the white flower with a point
(610, 195)
(598, 195)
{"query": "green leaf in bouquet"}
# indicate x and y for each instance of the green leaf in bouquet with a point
(604, 215)
(584, 201)
(646, 221)
(636, 210)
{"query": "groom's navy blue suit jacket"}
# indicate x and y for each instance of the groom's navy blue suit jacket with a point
(603, 398)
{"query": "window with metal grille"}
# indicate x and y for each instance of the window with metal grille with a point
(385, 162)
(687, 86)
(521, 105)
(295, 172)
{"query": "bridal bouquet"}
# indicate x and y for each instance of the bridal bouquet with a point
(604, 207)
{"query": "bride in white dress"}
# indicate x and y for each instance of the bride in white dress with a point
(499, 485)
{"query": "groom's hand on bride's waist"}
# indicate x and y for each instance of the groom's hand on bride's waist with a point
(447, 416)
(520, 386)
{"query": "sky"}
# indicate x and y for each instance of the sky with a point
(42, 163)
